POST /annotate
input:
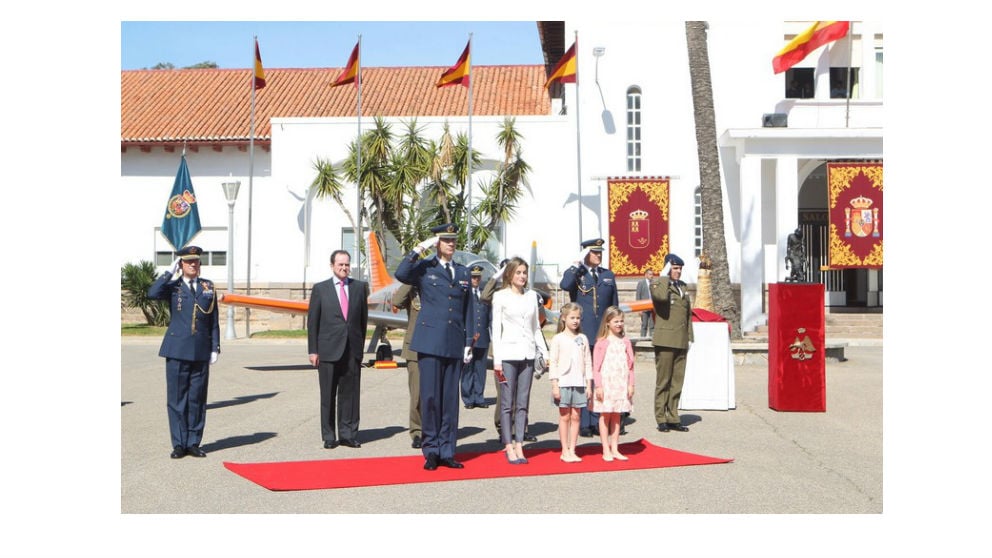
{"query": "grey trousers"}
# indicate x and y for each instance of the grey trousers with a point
(515, 399)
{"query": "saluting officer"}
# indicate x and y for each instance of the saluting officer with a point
(671, 340)
(594, 288)
(442, 339)
(191, 344)
(474, 373)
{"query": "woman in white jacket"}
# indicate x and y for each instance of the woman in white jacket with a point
(516, 341)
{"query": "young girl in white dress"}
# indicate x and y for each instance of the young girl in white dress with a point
(571, 375)
(613, 374)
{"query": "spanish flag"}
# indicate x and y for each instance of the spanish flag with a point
(350, 73)
(821, 33)
(567, 68)
(259, 81)
(460, 72)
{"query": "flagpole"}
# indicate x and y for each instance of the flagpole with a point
(358, 171)
(578, 141)
(251, 172)
(847, 78)
(470, 85)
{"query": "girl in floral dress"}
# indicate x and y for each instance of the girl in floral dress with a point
(613, 376)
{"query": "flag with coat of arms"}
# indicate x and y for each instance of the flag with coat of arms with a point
(182, 217)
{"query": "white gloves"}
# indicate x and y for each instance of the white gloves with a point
(468, 355)
(426, 244)
(582, 257)
(213, 358)
(174, 266)
(665, 270)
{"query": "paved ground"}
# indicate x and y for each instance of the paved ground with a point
(263, 404)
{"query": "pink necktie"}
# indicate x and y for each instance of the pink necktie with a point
(343, 297)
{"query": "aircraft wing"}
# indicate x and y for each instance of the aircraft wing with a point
(391, 320)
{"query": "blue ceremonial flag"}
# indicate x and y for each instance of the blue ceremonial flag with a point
(182, 218)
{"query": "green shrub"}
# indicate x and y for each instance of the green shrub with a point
(135, 280)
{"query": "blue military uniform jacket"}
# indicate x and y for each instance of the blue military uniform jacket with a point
(593, 296)
(194, 327)
(444, 325)
(482, 316)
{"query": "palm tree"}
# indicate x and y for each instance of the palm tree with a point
(714, 239)
(409, 183)
(328, 184)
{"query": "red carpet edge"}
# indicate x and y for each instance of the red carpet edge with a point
(380, 471)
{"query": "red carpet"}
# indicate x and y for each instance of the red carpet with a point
(376, 471)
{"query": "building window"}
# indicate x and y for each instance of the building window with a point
(841, 87)
(878, 73)
(634, 129)
(697, 230)
(348, 242)
(799, 83)
(164, 259)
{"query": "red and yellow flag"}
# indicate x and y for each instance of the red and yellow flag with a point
(350, 72)
(459, 73)
(258, 80)
(819, 34)
(567, 68)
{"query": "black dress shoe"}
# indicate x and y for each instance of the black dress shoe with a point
(470, 406)
(432, 461)
(529, 437)
(350, 443)
(677, 427)
(451, 463)
(482, 405)
(330, 445)
(417, 442)
(178, 452)
(662, 427)
(585, 433)
(195, 451)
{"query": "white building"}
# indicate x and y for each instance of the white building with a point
(773, 176)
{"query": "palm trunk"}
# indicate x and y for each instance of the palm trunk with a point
(714, 239)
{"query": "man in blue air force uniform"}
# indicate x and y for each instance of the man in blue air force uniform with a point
(442, 340)
(191, 344)
(474, 373)
(594, 288)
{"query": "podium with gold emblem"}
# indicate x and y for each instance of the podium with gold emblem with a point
(796, 358)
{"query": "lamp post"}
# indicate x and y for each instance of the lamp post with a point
(231, 193)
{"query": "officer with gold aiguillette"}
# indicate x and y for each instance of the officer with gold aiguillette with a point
(594, 288)
(191, 344)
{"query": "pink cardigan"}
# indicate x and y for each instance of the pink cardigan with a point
(599, 353)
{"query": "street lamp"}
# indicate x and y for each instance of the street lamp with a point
(231, 193)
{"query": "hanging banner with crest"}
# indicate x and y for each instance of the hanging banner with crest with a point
(638, 224)
(854, 192)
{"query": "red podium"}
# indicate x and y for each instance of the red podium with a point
(796, 357)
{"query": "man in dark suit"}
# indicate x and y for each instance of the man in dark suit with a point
(191, 344)
(406, 298)
(442, 339)
(336, 325)
(644, 293)
(671, 340)
(474, 373)
(594, 288)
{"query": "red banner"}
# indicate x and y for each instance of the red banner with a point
(854, 202)
(638, 225)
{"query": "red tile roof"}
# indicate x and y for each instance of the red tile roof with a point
(213, 106)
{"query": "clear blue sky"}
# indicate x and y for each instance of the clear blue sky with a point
(313, 44)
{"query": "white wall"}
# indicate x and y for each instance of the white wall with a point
(648, 53)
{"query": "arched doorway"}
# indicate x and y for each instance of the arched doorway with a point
(853, 288)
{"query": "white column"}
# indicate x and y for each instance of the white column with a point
(868, 78)
(786, 210)
(822, 72)
(752, 261)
